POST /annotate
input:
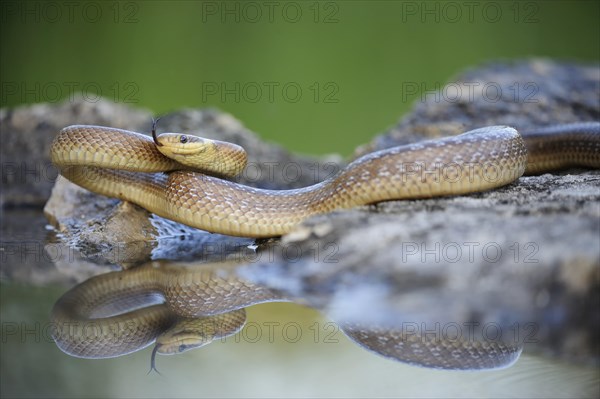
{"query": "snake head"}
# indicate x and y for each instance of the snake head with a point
(205, 155)
(179, 143)
(180, 338)
(185, 335)
(208, 156)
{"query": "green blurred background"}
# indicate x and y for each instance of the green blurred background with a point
(316, 77)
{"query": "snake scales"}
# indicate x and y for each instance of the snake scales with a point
(492, 156)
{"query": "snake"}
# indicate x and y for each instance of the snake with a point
(184, 308)
(157, 175)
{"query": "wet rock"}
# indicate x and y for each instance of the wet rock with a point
(111, 232)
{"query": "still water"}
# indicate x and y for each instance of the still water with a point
(284, 350)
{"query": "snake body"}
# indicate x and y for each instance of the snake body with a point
(484, 159)
(128, 165)
(132, 167)
(559, 147)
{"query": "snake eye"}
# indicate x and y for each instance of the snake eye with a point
(182, 347)
(183, 139)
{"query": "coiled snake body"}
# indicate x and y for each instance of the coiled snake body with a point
(133, 167)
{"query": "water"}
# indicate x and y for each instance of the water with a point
(284, 350)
